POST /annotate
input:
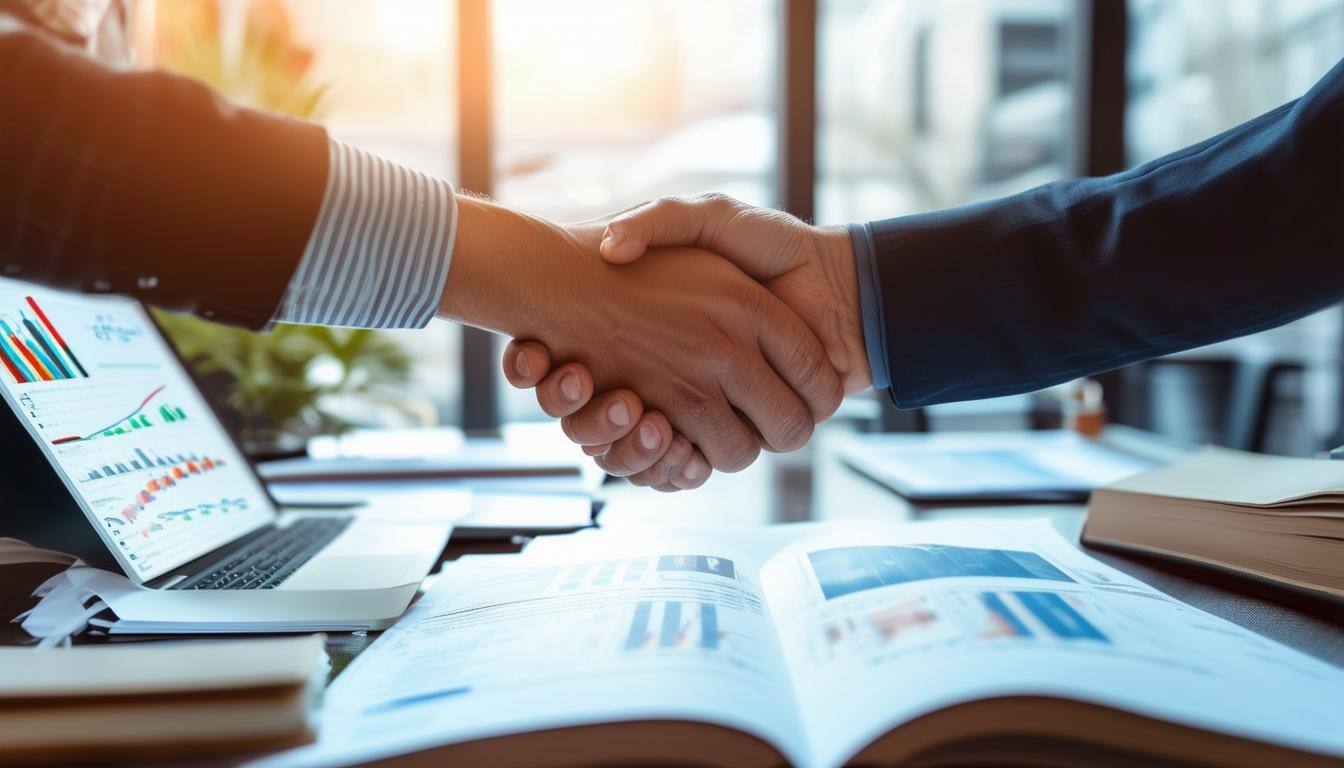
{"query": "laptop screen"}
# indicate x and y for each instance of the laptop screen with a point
(125, 427)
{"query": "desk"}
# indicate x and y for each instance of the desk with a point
(813, 484)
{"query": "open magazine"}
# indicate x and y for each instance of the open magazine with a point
(821, 645)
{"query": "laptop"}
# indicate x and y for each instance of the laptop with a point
(113, 454)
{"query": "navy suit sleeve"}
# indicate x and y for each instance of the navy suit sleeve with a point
(1242, 232)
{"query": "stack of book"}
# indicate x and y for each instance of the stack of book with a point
(1268, 517)
(145, 701)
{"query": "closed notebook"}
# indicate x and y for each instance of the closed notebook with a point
(130, 702)
(1269, 517)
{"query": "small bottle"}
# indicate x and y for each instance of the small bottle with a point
(1084, 409)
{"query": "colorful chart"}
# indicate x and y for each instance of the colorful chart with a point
(166, 472)
(31, 348)
(136, 420)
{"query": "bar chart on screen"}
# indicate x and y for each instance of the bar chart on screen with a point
(145, 415)
(32, 349)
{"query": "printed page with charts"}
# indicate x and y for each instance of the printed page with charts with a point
(820, 645)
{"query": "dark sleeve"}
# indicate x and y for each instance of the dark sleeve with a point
(1237, 234)
(148, 184)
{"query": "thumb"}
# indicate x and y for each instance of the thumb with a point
(761, 242)
(665, 221)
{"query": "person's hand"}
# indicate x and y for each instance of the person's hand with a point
(613, 428)
(809, 268)
(708, 349)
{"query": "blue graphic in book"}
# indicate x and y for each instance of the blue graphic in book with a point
(846, 570)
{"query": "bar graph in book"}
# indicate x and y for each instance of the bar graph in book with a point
(1044, 614)
(33, 350)
(632, 571)
(674, 625)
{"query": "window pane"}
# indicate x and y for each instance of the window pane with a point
(386, 71)
(1198, 67)
(605, 103)
(925, 104)
(600, 104)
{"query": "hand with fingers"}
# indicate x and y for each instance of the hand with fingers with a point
(709, 351)
(624, 438)
(810, 269)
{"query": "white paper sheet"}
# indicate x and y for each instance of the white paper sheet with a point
(662, 632)
(950, 613)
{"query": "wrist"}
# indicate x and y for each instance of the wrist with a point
(845, 344)
(507, 267)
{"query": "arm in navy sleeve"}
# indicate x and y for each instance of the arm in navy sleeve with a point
(1240, 233)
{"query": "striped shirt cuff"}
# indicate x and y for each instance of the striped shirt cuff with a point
(379, 253)
(870, 304)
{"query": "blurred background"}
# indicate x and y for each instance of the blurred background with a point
(837, 110)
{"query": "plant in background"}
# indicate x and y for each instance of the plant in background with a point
(296, 381)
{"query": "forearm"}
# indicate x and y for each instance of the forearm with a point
(1232, 236)
(509, 272)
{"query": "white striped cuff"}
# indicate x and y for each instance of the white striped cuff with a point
(379, 253)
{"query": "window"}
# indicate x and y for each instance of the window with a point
(926, 104)
(387, 76)
(601, 104)
(1198, 67)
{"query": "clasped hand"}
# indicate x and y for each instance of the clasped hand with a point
(776, 350)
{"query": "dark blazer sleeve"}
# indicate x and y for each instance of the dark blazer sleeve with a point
(1240, 233)
(148, 184)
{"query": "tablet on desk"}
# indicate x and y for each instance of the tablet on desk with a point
(989, 466)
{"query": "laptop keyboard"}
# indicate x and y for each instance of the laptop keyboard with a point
(270, 559)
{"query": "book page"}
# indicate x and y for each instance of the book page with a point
(508, 644)
(882, 626)
(1235, 477)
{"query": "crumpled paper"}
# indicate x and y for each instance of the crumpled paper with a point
(69, 600)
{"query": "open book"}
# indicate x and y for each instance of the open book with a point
(820, 645)
(1270, 517)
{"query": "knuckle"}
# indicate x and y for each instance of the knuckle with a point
(815, 376)
(694, 405)
(613, 464)
(676, 457)
(553, 410)
(795, 428)
(567, 425)
(754, 300)
(671, 204)
(739, 452)
(723, 346)
(717, 202)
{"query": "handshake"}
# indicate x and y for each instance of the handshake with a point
(675, 338)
